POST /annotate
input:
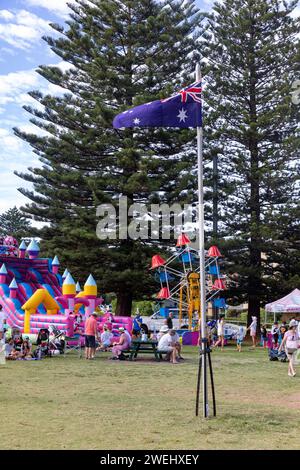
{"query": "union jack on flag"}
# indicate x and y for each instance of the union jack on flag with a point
(184, 109)
(193, 91)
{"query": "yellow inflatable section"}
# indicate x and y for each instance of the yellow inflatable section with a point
(41, 296)
(77, 306)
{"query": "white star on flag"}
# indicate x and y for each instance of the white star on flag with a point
(136, 121)
(182, 115)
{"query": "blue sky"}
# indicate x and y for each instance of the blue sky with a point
(22, 23)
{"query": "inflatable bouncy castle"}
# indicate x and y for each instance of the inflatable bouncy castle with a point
(34, 295)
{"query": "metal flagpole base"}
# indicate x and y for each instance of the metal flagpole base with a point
(204, 356)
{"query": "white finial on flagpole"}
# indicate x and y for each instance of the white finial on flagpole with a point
(198, 72)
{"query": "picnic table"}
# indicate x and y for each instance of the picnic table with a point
(146, 347)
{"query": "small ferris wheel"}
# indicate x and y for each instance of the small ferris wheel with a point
(179, 278)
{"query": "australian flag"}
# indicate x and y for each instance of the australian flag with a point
(181, 110)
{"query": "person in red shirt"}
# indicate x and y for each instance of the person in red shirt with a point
(90, 332)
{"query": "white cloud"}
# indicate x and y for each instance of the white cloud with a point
(59, 7)
(14, 84)
(9, 143)
(6, 15)
(22, 29)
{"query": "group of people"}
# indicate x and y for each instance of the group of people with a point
(168, 339)
(18, 348)
(15, 347)
(105, 339)
(284, 337)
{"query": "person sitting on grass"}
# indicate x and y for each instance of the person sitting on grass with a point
(26, 349)
(105, 339)
(167, 343)
(10, 352)
(18, 341)
(120, 346)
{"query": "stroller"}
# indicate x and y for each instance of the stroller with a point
(56, 341)
(17, 338)
(275, 355)
(43, 346)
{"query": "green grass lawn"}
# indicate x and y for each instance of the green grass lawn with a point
(71, 403)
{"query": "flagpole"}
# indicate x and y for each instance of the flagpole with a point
(202, 259)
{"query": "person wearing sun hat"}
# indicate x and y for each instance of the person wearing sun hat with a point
(121, 345)
(163, 329)
(291, 343)
(167, 343)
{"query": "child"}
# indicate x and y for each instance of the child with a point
(239, 338)
(264, 336)
(106, 338)
(26, 349)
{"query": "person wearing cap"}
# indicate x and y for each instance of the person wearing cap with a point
(121, 345)
(291, 343)
(167, 342)
(90, 331)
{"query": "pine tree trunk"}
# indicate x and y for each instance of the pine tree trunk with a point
(254, 279)
(124, 304)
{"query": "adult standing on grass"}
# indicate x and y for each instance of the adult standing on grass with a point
(221, 332)
(291, 342)
(253, 328)
(90, 331)
(137, 322)
(170, 321)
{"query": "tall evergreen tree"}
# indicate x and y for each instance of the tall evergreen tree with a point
(122, 53)
(13, 222)
(251, 48)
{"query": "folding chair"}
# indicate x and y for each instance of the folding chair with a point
(74, 346)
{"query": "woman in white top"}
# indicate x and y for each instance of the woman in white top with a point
(291, 342)
(221, 331)
(252, 329)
